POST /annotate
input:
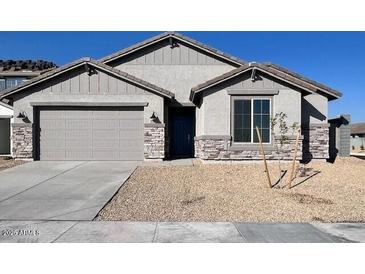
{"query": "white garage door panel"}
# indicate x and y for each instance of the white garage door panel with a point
(78, 124)
(53, 154)
(91, 134)
(105, 124)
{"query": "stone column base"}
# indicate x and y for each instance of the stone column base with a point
(316, 142)
(154, 141)
(22, 139)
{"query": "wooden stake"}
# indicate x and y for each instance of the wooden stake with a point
(294, 158)
(263, 156)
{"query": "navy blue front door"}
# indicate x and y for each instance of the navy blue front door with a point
(182, 132)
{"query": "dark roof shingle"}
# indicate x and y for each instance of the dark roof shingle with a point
(28, 65)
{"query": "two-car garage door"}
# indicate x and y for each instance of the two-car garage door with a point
(90, 133)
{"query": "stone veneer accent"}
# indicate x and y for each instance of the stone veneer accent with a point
(154, 141)
(22, 140)
(316, 142)
(221, 148)
(167, 141)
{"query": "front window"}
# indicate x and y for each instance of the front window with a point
(249, 114)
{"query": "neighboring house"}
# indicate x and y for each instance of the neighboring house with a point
(167, 97)
(357, 137)
(13, 73)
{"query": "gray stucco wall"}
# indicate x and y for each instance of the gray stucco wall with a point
(78, 86)
(216, 114)
(314, 109)
(289, 102)
(199, 118)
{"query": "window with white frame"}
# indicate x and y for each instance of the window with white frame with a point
(249, 113)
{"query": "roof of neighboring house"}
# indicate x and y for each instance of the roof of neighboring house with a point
(358, 128)
(275, 71)
(87, 61)
(175, 35)
(24, 67)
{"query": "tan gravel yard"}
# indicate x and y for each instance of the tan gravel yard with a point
(8, 163)
(223, 192)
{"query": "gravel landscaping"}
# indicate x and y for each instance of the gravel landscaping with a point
(239, 192)
(9, 162)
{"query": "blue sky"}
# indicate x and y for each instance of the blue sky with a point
(336, 59)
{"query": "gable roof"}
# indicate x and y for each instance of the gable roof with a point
(175, 35)
(357, 128)
(94, 63)
(275, 71)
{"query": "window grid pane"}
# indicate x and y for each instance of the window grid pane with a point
(262, 120)
(243, 129)
(242, 121)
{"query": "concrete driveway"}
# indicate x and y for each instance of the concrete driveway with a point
(60, 190)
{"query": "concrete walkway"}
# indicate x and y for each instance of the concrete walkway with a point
(177, 162)
(148, 232)
(60, 190)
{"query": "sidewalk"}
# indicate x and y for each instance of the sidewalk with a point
(179, 232)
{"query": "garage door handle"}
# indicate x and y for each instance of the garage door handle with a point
(189, 138)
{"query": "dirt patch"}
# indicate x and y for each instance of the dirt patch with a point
(222, 192)
(9, 162)
(308, 199)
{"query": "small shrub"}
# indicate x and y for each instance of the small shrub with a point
(279, 121)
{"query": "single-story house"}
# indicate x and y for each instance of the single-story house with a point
(357, 136)
(13, 73)
(167, 97)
